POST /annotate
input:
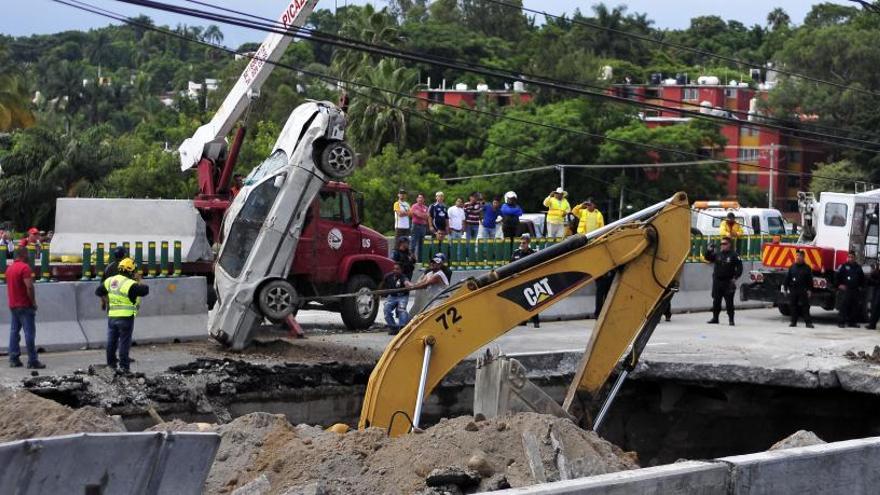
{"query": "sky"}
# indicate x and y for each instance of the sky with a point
(24, 17)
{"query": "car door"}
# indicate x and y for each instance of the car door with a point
(335, 236)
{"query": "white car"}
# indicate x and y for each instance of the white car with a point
(262, 226)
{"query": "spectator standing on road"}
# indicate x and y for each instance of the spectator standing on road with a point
(849, 279)
(727, 268)
(473, 212)
(490, 218)
(798, 282)
(402, 215)
(557, 209)
(23, 309)
(419, 224)
(403, 255)
(510, 213)
(435, 279)
(396, 301)
(6, 241)
(32, 239)
(456, 226)
(873, 280)
(589, 218)
(438, 222)
(522, 251)
(123, 293)
(730, 227)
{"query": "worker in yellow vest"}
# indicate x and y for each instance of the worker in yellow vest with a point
(123, 293)
(730, 227)
(589, 218)
(557, 209)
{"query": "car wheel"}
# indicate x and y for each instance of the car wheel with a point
(785, 309)
(337, 159)
(359, 312)
(277, 300)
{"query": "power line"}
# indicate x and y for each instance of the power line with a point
(679, 46)
(585, 166)
(106, 13)
(348, 43)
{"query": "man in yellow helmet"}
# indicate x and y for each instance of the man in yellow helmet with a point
(123, 293)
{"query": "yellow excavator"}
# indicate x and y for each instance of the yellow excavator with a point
(647, 249)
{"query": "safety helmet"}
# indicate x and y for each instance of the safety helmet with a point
(509, 195)
(439, 258)
(126, 265)
(120, 252)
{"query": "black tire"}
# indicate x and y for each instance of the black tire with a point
(358, 313)
(785, 309)
(337, 159)
(277, 299)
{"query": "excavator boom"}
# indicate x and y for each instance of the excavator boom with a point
(649, 247)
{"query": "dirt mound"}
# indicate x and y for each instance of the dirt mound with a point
(800, 438)
(517, 451)
(24, 415)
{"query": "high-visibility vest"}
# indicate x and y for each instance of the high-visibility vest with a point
(557, 209)
(120, 305)
(725, 230)
(588, 220)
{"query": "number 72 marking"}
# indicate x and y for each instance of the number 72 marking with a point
(451, 316)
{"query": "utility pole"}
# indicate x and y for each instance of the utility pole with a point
(622, 181)
(561, 176)
(772, 166)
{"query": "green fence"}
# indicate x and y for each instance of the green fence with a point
(485, 254)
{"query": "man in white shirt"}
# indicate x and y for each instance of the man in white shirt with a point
(402, 215)
(456, 215)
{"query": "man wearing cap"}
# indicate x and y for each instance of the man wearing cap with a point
(32, 239)
(557, 208)
(123, 293)
(22, 309)
(798, 282)
(402, 215)
(730, 227)
(589, 218)
(522, 251)
(433, 281)
(849, 279)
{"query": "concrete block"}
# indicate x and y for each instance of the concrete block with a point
(56, 321)
(846, 468)
(129, 220)
(155, 463)
(683, 478)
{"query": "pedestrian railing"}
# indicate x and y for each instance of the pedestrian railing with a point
(94, 262)
(486, 254)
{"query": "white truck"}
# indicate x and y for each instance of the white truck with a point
(755, 221)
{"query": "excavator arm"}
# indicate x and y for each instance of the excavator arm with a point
(649, 248)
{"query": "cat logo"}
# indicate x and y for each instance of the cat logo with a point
(538, 293)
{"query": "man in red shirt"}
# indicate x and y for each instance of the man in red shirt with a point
(23, 309)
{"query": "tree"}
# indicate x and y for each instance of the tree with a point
(378, 117)
(840, 176)
(778, 18)
(495, 20)
(213, 35)
(369, 25)
(15, 110)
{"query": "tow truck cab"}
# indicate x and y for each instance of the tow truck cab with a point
(337, 254)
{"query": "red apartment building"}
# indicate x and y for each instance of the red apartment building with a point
(790, 159)
(461, 94)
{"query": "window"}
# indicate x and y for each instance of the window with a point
(330, 207)
(729, 92)
(435, 96)
(748, 154)
(793, 181)
(691, 94)
(716, 221)
(346, 208)
(652, 93)
(652, 113)
(246, 226)
(835, 214)
(775, 226)
(795, 156)
(746, 178)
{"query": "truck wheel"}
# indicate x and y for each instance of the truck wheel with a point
(358, 313)
(277, 299)
(785, 309)
(337, 159)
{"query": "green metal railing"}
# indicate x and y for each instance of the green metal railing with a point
(486, 254)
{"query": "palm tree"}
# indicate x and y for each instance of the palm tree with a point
(364, 24)
(14, 105)
(213, 35)
(376, 117)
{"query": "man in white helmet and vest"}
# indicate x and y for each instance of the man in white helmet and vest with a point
(123, 293)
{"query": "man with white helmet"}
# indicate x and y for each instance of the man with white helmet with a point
(557, 209)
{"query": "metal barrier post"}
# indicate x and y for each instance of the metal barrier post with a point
(3, 257)
(32, 256)
(127, 246)
(45, 270)
(86, 262)
(112, 254)
(151, 259)
(139, 256)
(163, 259)
(178, 267)
(99, 260)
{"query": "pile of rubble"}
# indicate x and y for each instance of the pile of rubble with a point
(266, 454)
(23, 415)
(872, 357)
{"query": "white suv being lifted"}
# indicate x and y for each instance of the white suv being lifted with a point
(262, 226)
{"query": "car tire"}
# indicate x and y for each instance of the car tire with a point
(358, 313)
(785, 309)
(277, 300)
(337, 159)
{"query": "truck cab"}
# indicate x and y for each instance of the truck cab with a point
(754, 221)
(337, 254)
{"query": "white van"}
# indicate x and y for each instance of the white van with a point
(754, 221)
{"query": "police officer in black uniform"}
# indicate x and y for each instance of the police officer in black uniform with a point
(874, 282)
(728, 268)
(798, 283)
(849, 278)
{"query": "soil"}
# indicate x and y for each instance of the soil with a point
(872, 357)
(310, 350)
(369, 462)
(800, 438)
(24, 415)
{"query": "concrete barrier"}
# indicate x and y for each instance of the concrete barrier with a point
(145, 463)
(168, 220)
(69, 314)
(695, 293)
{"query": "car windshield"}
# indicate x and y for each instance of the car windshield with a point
(268, 167)
(246, 226)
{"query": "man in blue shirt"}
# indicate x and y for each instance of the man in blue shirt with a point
(438, 220)
(490, 219)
